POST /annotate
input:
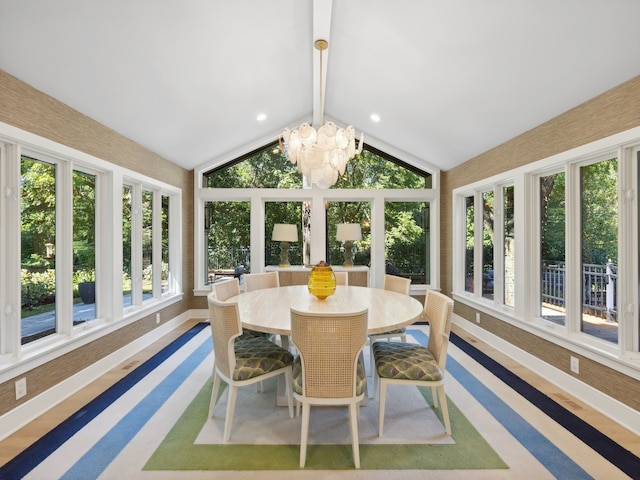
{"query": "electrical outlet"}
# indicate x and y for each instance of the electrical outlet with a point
(477, 317)
(575, 365)
(21, 388)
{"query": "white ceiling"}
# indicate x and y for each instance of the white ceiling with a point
(450, 79)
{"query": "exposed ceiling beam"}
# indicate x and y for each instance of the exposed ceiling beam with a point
(321, 30)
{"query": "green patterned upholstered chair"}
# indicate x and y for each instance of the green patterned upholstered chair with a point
(413, 364)
(242, 363)
(397, 284)
(329, 369)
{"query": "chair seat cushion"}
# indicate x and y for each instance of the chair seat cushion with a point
(249, 334)
(405, 361)
(361, 380)
(257, 356)
(397, 331)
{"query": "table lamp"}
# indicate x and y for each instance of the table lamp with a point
(284, 233)
(347, 233)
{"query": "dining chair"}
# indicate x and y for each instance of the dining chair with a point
(242, 363)
(412, 364)
(397, 284)
(342, 278)
(256, 281)
(224, 290)
(329, 368)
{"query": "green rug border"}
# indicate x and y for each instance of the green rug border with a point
(178, 452)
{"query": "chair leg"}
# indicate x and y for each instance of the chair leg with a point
(445, 409)
(288, 375)
(383, 400)
(231, 406)
(403, 338)
(214, 393)
(355, 441)
(434, 396)
(304, 435)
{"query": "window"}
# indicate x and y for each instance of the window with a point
(391, 200)
(489, 241)
(509, 247)
(407, 240)
(487, 244)
(227, 238)
(84, 246)
(599, 248)
(552, 248)
(68, 247)
(555, 247)
(469, 215)
(38, 195)
(349, 212)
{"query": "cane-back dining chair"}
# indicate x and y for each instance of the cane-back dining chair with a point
(241, 363)
(256, 281)
(224, 290)
(413, 364)
(328, 369)
(397, 284)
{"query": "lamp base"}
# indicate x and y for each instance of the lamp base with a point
(348, 254)
(284, 255)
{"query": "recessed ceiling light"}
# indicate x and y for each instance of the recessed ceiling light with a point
(375, 117)
(261, 117)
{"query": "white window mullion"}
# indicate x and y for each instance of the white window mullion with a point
(64, 247)
(10, 289)
(156, 227)
(175, 244)
(628, 255)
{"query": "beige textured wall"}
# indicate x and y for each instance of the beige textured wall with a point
(28, 109)
(614, 111)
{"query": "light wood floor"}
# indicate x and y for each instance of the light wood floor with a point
(14, 444)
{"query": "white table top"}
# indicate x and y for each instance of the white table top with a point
(268, 310)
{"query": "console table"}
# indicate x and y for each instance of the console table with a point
(299, 275)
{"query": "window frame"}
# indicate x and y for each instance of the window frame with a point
(625, 146)
(317, 198)
(14, 142)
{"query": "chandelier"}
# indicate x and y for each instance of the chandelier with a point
(321, 155)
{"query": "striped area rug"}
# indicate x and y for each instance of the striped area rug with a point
(154, 424)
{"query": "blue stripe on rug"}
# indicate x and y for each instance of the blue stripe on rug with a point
(622, 458)
(96, 460)
(553, 459)
(28, 459)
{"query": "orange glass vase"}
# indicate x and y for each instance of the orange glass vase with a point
(322, 281)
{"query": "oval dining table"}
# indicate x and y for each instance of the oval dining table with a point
(268, 310)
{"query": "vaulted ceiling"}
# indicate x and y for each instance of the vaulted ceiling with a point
(449, 79)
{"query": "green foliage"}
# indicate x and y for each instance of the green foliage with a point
(38, 288)
(227, 223)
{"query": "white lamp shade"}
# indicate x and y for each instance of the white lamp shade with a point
(348, 231)
(284, 232)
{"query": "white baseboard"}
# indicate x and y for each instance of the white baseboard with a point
(608, 406)
(20, 416)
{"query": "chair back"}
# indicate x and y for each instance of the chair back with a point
(438, 309)
(342, 278)
(225, 327)
(257, 281)
(329, 346)
(397, 284)
(226, 289)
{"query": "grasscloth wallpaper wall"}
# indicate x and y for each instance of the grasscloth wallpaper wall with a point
(28, 109)
(614, 111)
